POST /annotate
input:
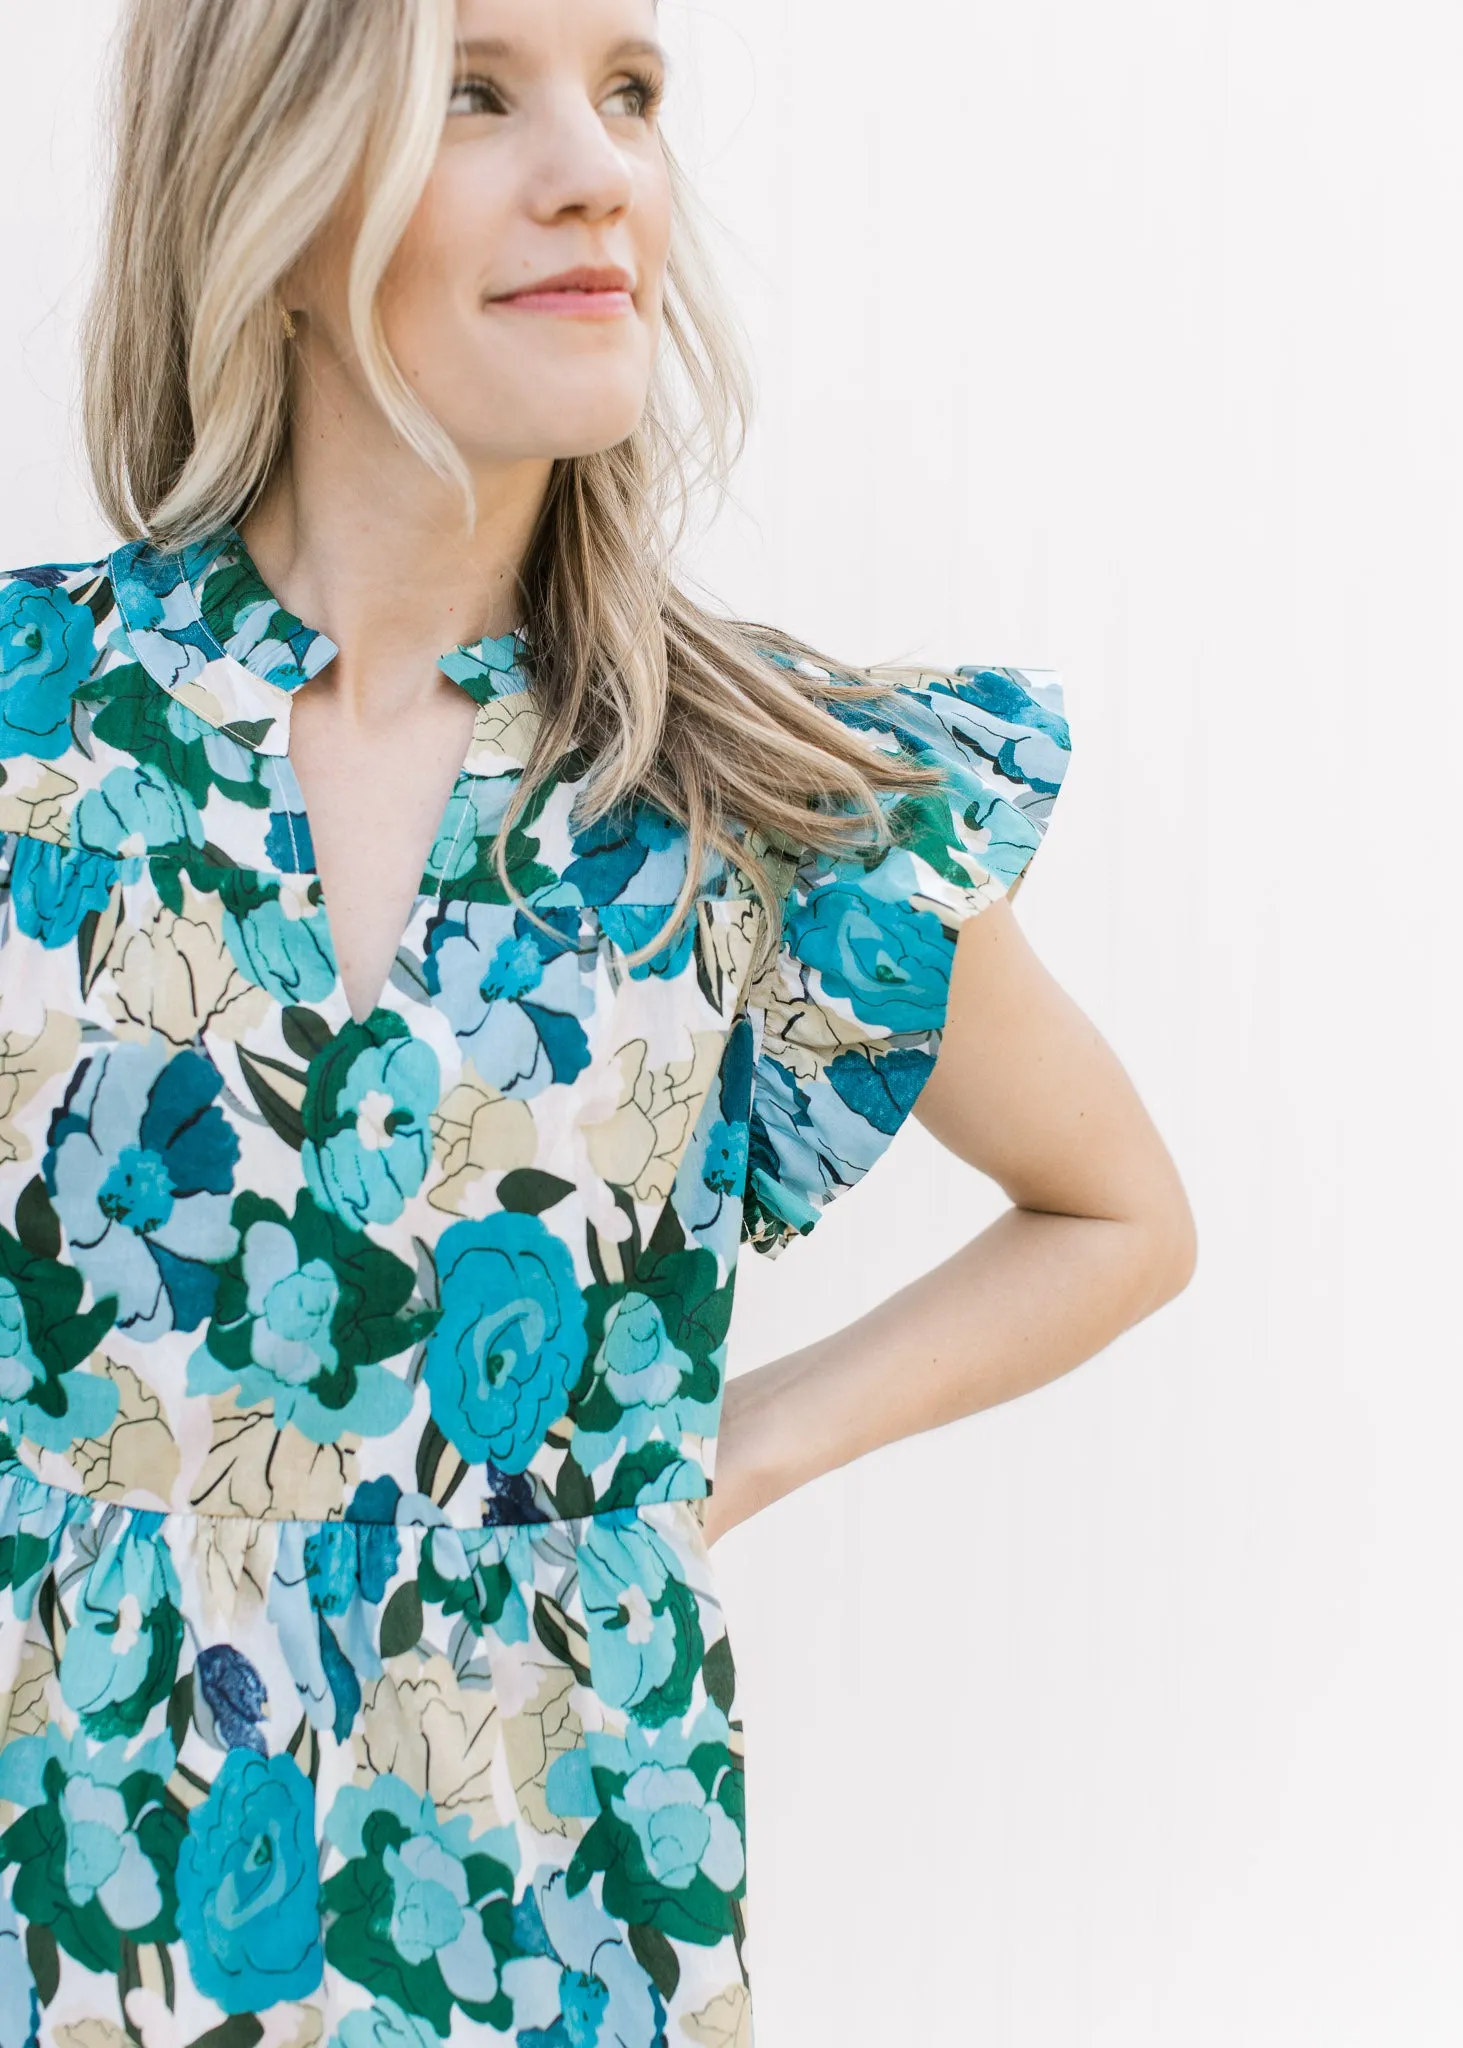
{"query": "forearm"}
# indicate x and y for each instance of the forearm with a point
(1026, 1301)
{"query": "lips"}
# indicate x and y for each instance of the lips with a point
(583, 279)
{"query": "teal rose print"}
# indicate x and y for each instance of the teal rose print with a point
(384, 2026)
(368, 1100)
(645, 1641)
(54, 888)
(46, 650)
(96, 1843)
(646, 1386)
(438, 1325)
(668, 1824)
(126, 1633)
(890, 962)
(511, 1342)
(307, 1311)
(44, 1338)
(249, 1885)
(657, 1349)
(136, 812)
(277, 935)
(421, 1913)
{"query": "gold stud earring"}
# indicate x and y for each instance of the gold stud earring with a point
(289, 323)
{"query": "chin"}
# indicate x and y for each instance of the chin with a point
(557, 427)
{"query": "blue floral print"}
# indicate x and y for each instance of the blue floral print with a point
(581, 1979)
(140, 1164)
(229, 1699)
(891, 963)
(46, 654)
(122, 1652)
(511, 1341)
(306, 1312)
(513, 995)
(53, 889)
(421, 1904)
(645, 1642)
(249, 1885)
(134, 812)
(95, 1845)
(366, 1676)
(367, 1144)
(276, 934)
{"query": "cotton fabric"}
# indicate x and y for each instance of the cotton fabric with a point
(363, 1675)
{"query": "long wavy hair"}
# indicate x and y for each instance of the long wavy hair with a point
(235, 131)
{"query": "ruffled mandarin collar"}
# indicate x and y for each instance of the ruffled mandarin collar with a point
(204, 624)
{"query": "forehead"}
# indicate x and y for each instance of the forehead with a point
(536, 26)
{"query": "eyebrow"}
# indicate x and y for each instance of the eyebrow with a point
(499, 46)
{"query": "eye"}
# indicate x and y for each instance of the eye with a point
(476, 95)
(645, 92)
(476, 90)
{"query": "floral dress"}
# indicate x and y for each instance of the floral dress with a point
(363, 1677)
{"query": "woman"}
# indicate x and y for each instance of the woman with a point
(398, 1045)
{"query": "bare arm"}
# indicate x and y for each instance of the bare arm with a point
(1099, 1235)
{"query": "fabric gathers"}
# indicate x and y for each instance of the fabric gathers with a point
(363, 1675)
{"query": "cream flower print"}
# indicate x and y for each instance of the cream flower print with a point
(175, 975)
(439, 1734)
(139, 1455)
(640, 1146)
(367, 1682)
(28, 1060)
(477, 1133)
(36, 802)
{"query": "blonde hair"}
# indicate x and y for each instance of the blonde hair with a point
(237, 129)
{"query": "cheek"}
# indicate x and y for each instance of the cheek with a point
(444, 258)
(650, 234)
(652, 220)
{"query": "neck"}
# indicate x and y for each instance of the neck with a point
(367, 545)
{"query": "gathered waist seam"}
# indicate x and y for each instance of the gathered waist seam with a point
(15, 1472)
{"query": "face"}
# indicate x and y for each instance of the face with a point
(550, 174)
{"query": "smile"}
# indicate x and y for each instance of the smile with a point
(572, 304)
(587, 292)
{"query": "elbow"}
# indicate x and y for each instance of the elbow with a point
(1171, 1249)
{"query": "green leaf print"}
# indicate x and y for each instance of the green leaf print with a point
(719, 1672)
(573, 1493)
(562, 1638)
(279, 1101)
(306, 1033)
(45, 1961)
(137, 719)
(530, 1192)
(657, 1959)
(36, 1223)
(401, 1620)
(242, 2030)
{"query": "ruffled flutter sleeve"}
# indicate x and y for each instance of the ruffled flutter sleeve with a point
(847, 1021)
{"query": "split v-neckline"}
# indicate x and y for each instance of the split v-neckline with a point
(207, 627)
(292, 795)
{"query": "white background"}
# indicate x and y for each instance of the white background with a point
(1124, 340)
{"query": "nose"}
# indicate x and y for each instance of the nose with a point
(577, 165)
